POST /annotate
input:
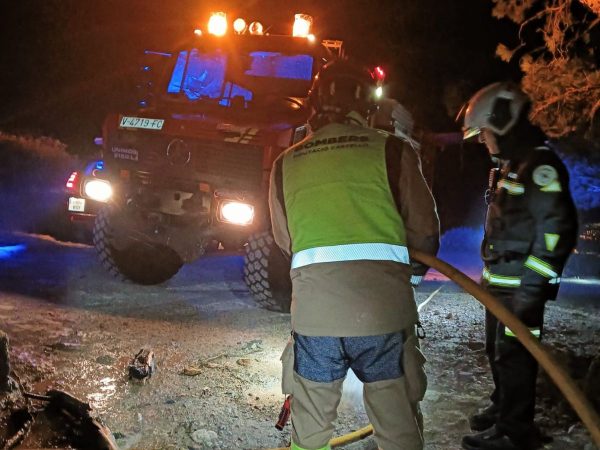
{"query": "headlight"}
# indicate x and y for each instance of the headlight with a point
(237, 213)
(99, 190)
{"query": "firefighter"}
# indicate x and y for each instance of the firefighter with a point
(346, 203)
(530, 230)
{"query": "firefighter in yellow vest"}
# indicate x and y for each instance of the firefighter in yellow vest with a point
(530, 230)
(346, 203)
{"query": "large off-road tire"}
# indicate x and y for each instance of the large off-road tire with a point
(267, 273)
(141, 262)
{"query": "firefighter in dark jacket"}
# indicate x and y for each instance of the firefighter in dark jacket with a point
(346, 203)
(530, 230)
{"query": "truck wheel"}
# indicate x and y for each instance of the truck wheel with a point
(141, 262)
(267, 273)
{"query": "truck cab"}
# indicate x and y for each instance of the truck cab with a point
(188, 168)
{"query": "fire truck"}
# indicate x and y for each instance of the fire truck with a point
(187, 170)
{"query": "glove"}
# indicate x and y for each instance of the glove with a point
(403, 121)
(415, 280)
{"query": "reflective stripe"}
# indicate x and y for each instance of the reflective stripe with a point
(552, 187)
(351, 252)
(297, 447)
(501, 280)
(512, 187)
(554, 280)
(541, 267)
(535, 331)
(470, 132)
(415, 280)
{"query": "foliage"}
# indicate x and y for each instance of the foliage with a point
(565, 93)
(561, 75)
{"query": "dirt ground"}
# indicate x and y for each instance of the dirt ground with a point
(72, 327)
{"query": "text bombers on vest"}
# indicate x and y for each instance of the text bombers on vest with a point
(328, 141)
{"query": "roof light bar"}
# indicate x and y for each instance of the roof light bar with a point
(302, 25)
(217, 24)
(256, 28)
(239, 25)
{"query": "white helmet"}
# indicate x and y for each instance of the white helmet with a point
(392, 116)
(496, 107)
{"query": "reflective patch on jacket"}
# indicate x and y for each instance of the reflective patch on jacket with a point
(551, 240)
(546, 176)
(540, 266)
(501, 280)
(512, 187)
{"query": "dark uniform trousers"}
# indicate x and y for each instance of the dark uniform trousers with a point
(513, 368)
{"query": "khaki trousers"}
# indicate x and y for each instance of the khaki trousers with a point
(391, 405)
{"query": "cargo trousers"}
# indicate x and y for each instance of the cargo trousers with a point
(514, 369)
(391, 367)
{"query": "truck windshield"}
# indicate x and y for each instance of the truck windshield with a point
(225, 78)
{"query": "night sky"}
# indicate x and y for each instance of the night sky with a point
(66, 63)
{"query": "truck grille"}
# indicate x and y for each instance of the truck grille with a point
(221, 164)
(231, 161)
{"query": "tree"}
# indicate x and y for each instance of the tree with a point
(559, 53)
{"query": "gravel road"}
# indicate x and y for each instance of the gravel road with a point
(72, 327)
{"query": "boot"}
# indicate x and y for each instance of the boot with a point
(494, 439)
(490, 439)
(484, 418)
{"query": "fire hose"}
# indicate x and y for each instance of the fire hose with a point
(543, 356)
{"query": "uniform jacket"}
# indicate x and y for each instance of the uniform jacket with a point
(360, 297)
(531, 226)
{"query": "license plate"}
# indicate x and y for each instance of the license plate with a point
(76, 204)
(141, 122)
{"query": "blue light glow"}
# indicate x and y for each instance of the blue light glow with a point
(177, 75)
(584, 173)
(10, 251)
(276, 65)
(100, 165)
(201, 75)
(233, 90)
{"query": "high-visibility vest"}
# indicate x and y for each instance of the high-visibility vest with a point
(338, 200)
